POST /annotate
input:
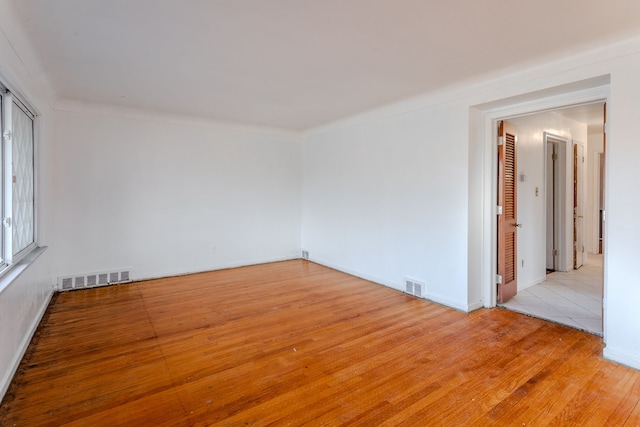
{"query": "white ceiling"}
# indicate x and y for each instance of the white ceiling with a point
(297, 64)
(590, 114)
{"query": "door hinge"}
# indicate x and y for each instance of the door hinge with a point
(6, 135)
(554, 252)
(501, 140)
(6, 222)
(499, 279)
(605, 127)
(498, 210)
(554, 156)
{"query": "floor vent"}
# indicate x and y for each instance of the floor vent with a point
(66, 283)
(414, 287)
(305, 254)
(92, 280)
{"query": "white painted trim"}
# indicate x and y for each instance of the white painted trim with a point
(511, 78)
(556, 99)
(451, 304)
(7, 172)
(621, 357)
(563, 238)
(223, 267)
(8, 84)
(21, 350)
(475, 306)
(505, 109)
(12, 272)
(536, 281)
(429, 296)
(582, 198)
(71, 106)
(38, 211)
(357, 274)
(594, 233)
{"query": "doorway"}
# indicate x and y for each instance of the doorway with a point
(482, 179)
(555, 166)
(559, 253)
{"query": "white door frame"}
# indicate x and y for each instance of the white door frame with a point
(483, 125)
(581, 212)
(562, 214)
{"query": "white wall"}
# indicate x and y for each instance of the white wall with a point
(622, 237)
(24, 300)
(388, 199)
(165, 196)
(394, 192)
(531, 208)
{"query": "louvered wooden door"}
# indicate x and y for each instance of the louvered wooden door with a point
(507, 220)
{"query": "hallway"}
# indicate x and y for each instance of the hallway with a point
(573, 298)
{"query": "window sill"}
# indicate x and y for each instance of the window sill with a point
(12, 272)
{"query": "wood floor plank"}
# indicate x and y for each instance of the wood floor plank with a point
(633, 420)
(295, 343)
(629, 400)
(556, 394)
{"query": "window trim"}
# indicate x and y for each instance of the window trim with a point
(11, 174)
(13, 271)
(29, 253)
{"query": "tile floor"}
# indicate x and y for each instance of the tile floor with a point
(573, 298)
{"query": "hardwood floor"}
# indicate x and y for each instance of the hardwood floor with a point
(294, 343)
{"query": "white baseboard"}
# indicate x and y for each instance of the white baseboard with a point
(21, 350)
(475, 306)
(523, 286)
(429, 296)
(438, 299)
(621, 357)
(137, 277)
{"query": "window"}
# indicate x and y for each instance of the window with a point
(18, 227)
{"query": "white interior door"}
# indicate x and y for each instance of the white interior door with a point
(579, 204)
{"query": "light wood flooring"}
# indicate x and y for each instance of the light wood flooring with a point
(294, 343)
